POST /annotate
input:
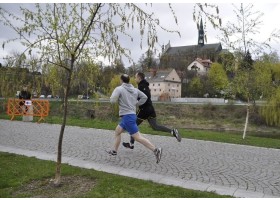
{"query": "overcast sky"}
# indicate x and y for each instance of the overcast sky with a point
(186, 26)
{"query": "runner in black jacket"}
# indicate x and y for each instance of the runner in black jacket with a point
(147, 112)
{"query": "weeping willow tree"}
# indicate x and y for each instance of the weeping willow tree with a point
(53, 77)
(18, 70)
(86, 76)
(61, 34)
(271, 111)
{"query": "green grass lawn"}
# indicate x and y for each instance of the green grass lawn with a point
(18, 171)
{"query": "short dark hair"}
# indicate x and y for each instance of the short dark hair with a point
(125, 78)
(141, 75)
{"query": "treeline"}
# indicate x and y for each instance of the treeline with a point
(48, 79)
(222, 80)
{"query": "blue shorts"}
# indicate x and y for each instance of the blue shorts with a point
(128, 123)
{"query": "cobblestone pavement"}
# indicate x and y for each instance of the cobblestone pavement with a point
(237, 170)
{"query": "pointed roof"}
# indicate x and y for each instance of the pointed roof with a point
(201, 25)
(201, 35)
(159, 76)
(205, 62)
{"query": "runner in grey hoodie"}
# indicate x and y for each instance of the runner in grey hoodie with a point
(128, 98)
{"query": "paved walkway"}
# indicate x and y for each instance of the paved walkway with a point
(237, 170)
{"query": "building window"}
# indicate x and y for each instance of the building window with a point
(173, 79)
(159, 84)
(155, 90)
(168, 84)
(177, 85)
(194, 67)
(160, 90)
(169, 90)
(153, 84)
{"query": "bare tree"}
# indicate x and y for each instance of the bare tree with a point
(239, 36)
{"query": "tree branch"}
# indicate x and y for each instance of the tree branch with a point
(83, 41)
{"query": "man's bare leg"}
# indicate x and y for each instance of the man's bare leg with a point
(139, 138)
(118, 132)
(157, 151)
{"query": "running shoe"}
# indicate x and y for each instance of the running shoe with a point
(158, 152)
(127, 145)
(176, 134)
(112, 152)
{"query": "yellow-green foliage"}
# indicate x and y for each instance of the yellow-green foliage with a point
(87, 71)
(271, 112)
(262, 78)
(53, 78)
(218, 77)
(12, 78)
(195, 87)
(115, 82)
(276, 72)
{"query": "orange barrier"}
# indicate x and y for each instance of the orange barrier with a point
(20, 107)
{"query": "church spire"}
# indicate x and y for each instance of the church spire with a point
(201, 34)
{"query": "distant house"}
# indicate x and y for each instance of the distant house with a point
(199, 65)
(164, 84)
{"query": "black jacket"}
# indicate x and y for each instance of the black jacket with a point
(24, 95)
(143, 86)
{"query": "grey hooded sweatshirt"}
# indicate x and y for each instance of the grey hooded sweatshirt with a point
(127, 96)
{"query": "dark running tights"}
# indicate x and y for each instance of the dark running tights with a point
(154, 125)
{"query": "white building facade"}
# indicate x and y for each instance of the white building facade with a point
(164, 84)
(200, 65)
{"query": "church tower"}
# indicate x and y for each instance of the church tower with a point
(201, 34)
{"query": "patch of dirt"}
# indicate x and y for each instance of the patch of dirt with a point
(71, 187)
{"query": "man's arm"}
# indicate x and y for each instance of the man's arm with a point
(115, 95)
(142, 98)
(145, 89)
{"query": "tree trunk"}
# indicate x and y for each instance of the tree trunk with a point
(247, 118)
(57, 180)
